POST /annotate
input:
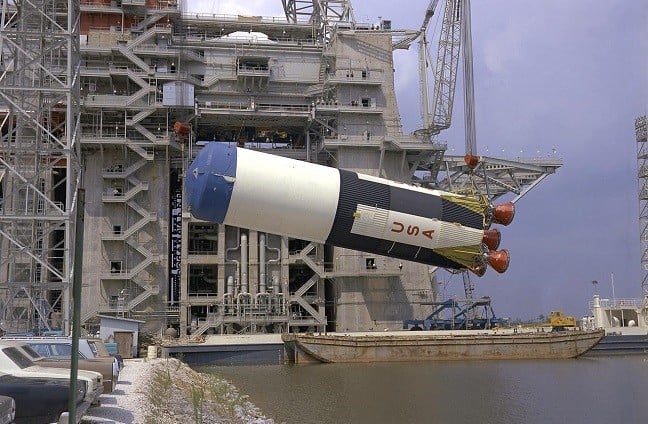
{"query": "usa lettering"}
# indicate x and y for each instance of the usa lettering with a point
(411, 230)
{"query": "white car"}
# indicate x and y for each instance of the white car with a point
(15, 361)
(61, 347)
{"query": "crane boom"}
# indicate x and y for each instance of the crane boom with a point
(455, 32)
(429, 12)
(469, 92)
(425, 101)
(445, 72)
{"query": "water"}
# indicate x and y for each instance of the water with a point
(586, 390)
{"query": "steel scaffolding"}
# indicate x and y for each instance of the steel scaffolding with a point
(39, 160)
(323, 14)
(642, 159)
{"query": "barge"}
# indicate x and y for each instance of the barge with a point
(402, 346)
(625, 322)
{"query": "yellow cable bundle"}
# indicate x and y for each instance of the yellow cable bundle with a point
(465, 255)
(475, 203)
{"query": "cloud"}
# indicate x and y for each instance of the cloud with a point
(406, 84)
(233, 7)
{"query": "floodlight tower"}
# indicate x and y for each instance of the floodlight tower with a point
(39, 160)
(642, 159)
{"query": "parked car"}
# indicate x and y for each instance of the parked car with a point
(97, 345)
(42, 399)
(7, 409)
(14, 361)
(59, 356)
(61, 348)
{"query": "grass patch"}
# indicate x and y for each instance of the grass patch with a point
(178, 394)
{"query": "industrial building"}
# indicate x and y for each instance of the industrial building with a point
(117, 96)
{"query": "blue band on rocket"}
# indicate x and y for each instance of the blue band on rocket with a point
(210, 197)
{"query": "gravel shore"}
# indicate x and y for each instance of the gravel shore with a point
(167, 391)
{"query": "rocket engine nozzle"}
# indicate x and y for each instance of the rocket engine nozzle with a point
(504, 213)
(499, 260)
(492, 238)
(479, 270)
(471, 160)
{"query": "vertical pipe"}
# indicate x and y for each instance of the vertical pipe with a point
(230, 285)
(469, 90)
(244, 263)
(228, 297)
(275, 285)
(237, 263)
(76, 302)
(308, 147)
(274, 288)
(262, 263)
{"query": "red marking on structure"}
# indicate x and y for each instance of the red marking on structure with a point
(428, 233)
(412, 230)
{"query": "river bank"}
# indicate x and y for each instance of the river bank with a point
(167, 391)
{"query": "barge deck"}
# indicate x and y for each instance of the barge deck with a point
(438, 345)
(274, 349)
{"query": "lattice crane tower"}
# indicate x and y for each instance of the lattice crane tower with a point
(642, 158)
(39, 160)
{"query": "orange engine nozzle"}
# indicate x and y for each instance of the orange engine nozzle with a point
(479, 270)
(492, 238)
(499, 260)
(182, 130)
(471, 160)
(504, 213)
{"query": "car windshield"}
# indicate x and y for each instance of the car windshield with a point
(56, 350)
(93, 347)
(18, 357)
(99, 347)
(32, 353)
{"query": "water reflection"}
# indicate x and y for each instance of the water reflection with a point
(588, 390)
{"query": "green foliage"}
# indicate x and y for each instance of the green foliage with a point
(197, 399)
(161, 384)
(176, 391)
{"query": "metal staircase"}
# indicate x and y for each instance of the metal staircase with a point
(149, 33)
(149, 290)
(213, 321)
(128, 53)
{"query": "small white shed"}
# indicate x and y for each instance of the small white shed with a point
(123, 331)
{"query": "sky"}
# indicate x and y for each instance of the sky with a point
(553, 78)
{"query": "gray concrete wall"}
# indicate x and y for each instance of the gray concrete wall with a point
(366, 302)
(95, 261)
(371, 51)
(101, 216)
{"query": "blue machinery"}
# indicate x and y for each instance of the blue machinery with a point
(463, 315)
